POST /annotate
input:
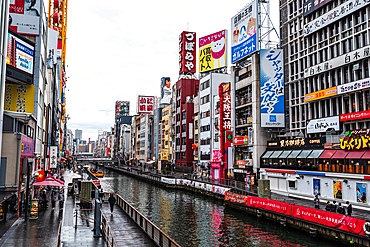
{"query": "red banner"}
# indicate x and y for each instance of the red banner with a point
(268, 204)
(339, 221)
(236, 198)
(354, 116)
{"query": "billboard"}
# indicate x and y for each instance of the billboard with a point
(52, 44)
(122, 108)
(24, 16)
(145, 104)
(322, 94)
(166, 91)
(20, 54)
(19, 98)
(323, 124)
(354, 116)
(27, 146)
(272, 88)
(187, 53)
(244, 30)
(53, 157)
(311, 5)
(212, 51)
(353, 86)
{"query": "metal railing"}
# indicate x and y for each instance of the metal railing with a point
(156, 234)
(107, 232)
(58, 235)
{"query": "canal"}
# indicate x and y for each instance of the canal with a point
(194, 221)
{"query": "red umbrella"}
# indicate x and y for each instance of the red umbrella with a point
(49, 181)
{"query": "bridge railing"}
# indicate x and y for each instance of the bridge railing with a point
(156, 234)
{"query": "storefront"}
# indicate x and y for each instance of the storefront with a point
(243, 154)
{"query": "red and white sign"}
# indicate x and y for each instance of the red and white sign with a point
(236, 198)
(268, 204)
(354, 116)
(342, 222)
(145, 104)
(187, 51)
(240, 140)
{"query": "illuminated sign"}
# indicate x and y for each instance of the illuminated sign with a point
(297, 143)
(20, 54)
(323, 124)
(322, 94)
(351, 143)
(212, 51)
(240, 140)
(187, 52)
(354, 116)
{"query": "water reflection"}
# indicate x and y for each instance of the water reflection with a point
(194, 221)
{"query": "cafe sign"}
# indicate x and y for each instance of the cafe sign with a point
(297, 143)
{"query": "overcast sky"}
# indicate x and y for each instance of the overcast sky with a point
(118, 49)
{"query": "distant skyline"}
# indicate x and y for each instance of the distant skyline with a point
(127, 47)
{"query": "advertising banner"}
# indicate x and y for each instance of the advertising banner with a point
(166, 90)
(354, 116)
(353, 86)
(312, 5)
(168, 180)
(316, 187)
(355, 143)
(337, 186)
(342, 222)
(187, 52)
(235, 198)
(322, 94)
(361, 192)
(323, 124)
(272, 88)
(122, 108)
(52, 44)
(241, 140)
(225, 114)
(217, 156)
(145, 104)
(244, 30)
(241, 163)
(268, 204)
(349, 57)
(24, 16)
(19, 98)
(333, 15)
(220, 190)
(53, 156)
(212, 51)
(27, 146)
(20, 54)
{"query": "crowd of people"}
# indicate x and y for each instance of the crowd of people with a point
(334, 206)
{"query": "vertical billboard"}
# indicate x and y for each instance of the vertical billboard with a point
(52, 44)
(145, 104)
(361, 192)
(24, 16)
(53, 157)
(316, 187)
(20, 54)
(27, 146)
(187, 53)
(272, 88)
(166, 91)
(122, 108)
(212, 51)
(19, 98)
(244, 28)
(337, 187)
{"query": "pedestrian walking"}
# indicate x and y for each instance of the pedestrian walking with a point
(316, 201)
(334, 206)
(349, 208)
(53, 199)
(328, 206)
(112, 201)
(340, 209)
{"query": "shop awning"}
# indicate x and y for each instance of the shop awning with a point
(356, 154)
(327, 154)
(366, 155)
(275, 154)
(267, 154)
(315, 154)
(285, 154)
(294, 154)
(340, 154)
(304, 154)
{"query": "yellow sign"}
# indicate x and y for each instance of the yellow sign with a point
(212, 51)
(329, 92)
(19, 98)
(164, 156)
(355, 143)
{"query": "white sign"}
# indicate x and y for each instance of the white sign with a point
(323, 124)
(347, 58)
(168, 180)
(52, 44)
(24, 16)
(190, 130)
(353, 86)
(53, 157)
(333, 15)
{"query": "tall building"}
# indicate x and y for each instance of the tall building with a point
(78, 134)
(326, 46)
(166, 141)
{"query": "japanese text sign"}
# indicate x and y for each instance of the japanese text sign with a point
(352, 143)
(322, 94)
(27, 146)
(354, 116)
(312, 5)
(122, 108)
(53, 156)
(333, 15)
(235, 198)
(225, 113)
(240, 140)
(24, 16)
(323, 124)
(244, 30)
(353, 86)
(20, 54)
(212, 51)
(272, 88)
(19, 98)
(187, 52)
(268, 204)
(145, 104)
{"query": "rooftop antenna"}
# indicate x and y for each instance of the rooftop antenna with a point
(266, 26)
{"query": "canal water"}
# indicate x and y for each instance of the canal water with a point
(194, 221)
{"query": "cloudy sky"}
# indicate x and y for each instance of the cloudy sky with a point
(118, 49)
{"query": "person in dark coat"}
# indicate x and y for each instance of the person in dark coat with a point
(112, 201)
(328, 206)
(340, 209)
(349, 208)
(316, 201)
(334, 207)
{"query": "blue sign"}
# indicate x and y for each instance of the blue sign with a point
(244, 49)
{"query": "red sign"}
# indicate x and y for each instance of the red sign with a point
(145, 104)
(187, 50)
(236, 198)
(240, 140)
(354, 116)
(96, 182)
(342, 222)
(268, 204)
(240, 162)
